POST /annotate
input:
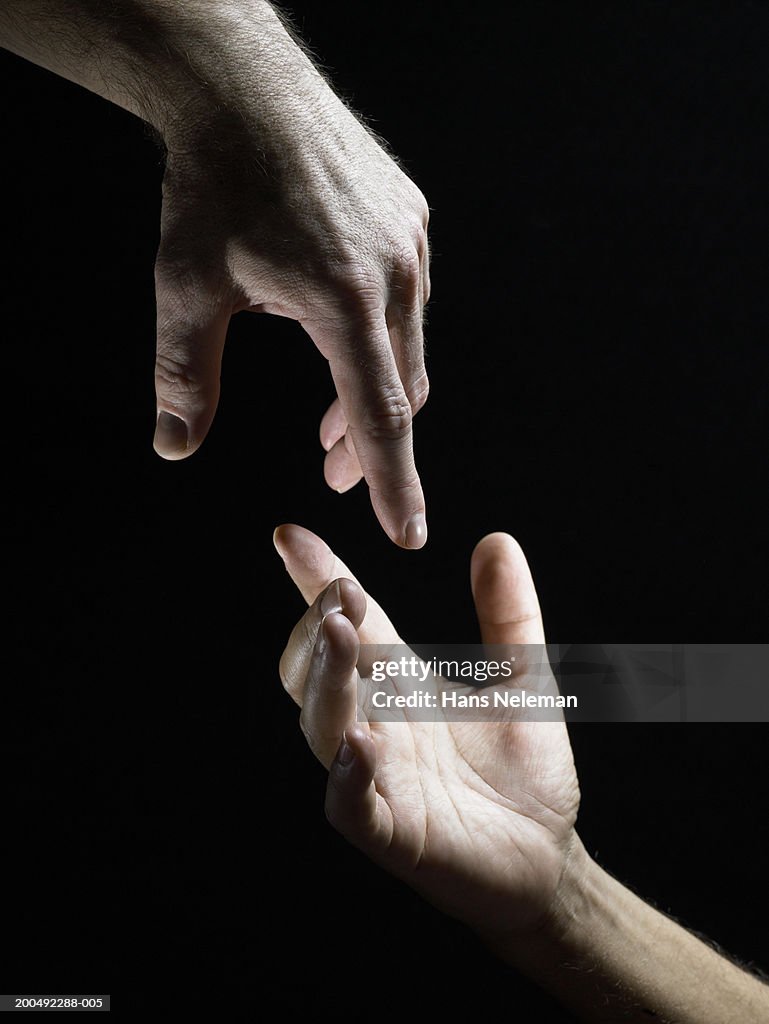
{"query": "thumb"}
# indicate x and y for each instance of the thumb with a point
(191, 330)
(505, 599)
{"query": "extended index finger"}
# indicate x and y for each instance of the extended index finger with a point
(378, 410)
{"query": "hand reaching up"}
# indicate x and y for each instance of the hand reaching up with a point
(478, 816)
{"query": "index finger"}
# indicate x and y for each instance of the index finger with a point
(378, 410)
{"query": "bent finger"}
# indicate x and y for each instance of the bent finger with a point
(341, 468)
(333, 425)
(342, 597)
(353, 806)
(330, 690)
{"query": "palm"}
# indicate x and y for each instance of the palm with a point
(486, 805)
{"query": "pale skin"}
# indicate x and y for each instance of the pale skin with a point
(276, 199)
(479, 817)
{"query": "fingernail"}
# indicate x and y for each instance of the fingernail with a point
(416, 531)
(331, 600)
(170, 435)
(345, 755)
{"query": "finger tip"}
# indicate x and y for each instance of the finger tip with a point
(341, 470)
(290, 539)
(353, 601)
(415, 532)
(496, 545)
(355, 737)
(344, 596)
(339, 634)
(172, 437)
(278, 542)
(344, 488)
(340, 482)
(305, 554)
(169, 454)
(359, 739)
(489, 552)
(504, 593)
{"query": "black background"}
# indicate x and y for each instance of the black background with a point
(598, 357)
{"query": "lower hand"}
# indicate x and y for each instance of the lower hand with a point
(477, 816)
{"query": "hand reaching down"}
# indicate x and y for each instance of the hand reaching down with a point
(276, 199)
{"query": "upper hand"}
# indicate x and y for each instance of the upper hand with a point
(294, 209)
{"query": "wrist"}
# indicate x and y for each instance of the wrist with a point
(226, 70)
(220, 76)
(176, 63)
(578, 900)
(562, 930)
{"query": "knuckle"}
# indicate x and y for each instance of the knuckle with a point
(167, 265)
(410, 266)
(405, 485)
(422, 209)
(407, 274)
(174, 377)
(356, 288)
(389, 418)
(408, 262)
(189, 284)
(416, 198)
(420, 240)
(419, 392)
(175, 272)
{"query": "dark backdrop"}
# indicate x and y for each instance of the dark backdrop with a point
(598, 354)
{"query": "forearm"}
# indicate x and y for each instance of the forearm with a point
(168, 62)
(611, 957)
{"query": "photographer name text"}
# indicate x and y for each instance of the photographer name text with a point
(452, 699)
